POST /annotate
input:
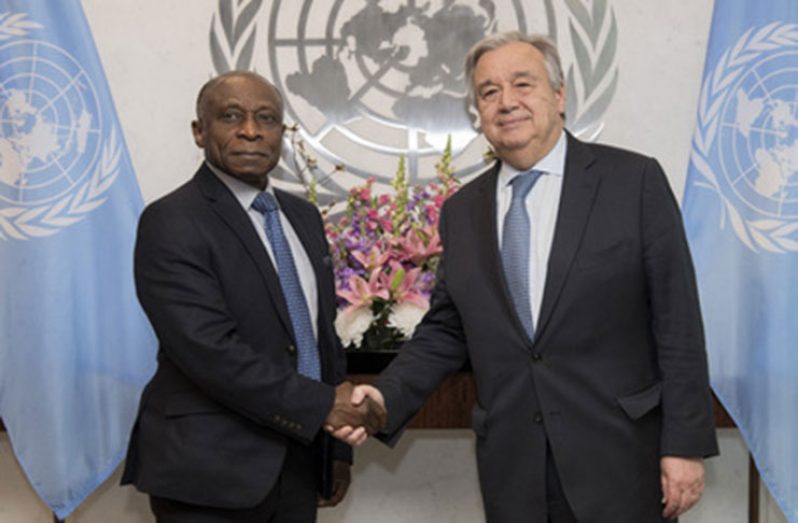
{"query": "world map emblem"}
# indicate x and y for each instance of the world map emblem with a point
(368, 81)
(746, 146)
(55, 160)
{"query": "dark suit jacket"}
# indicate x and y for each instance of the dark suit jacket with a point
(616, 376)
(226, 399)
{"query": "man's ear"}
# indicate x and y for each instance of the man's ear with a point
(560, 96)
(196, 130)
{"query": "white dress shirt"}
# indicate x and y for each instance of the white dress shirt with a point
(542, 204)
(246, 194)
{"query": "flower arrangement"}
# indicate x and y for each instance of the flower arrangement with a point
(385, 250)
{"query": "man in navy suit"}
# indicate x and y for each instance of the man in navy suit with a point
(567, 283)
(228, 428)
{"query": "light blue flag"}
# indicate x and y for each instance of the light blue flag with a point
(75, 348)
(741, 212)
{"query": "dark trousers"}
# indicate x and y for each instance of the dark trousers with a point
(292, 500)
(558, 508)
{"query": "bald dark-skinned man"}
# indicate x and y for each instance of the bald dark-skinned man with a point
(235, 277)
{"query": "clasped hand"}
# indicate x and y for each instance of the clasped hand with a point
(356, 414)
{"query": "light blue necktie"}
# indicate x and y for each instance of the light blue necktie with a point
(307, 353)
(516, 239)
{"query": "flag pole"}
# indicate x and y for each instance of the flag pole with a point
(753, 491)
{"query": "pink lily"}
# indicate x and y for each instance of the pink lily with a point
(361, 292)
(416, 249)
(373, 259)
(402, 284)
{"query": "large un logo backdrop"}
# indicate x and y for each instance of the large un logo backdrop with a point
(367, 81)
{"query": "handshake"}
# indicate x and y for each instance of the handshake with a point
(358, 412)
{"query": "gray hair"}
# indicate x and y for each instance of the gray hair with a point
(216, 80)
(544, 44)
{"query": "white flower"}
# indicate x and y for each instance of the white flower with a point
(352, 323)
(405, 316)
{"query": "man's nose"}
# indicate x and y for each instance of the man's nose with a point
(249, 128)
(507, 100)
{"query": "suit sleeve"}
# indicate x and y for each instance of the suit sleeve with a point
(340, 450)
(436, 350)
(687, 421)
(178, 285)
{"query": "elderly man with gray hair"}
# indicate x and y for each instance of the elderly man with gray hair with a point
(567, 283)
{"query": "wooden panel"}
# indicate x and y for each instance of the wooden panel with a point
(722, 418)
(450, 406)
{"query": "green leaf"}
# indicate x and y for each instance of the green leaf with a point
(396, 279)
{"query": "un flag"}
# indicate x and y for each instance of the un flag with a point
(76, 350)
(741, 212)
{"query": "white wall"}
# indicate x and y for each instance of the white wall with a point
(156, 55)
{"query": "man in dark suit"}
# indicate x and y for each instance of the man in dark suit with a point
(567, 284)
(235, 278)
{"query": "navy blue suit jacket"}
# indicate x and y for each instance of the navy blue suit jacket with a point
(226, 398)
(616, 376)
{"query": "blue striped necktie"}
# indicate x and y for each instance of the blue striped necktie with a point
(307, 353)
(516, 240)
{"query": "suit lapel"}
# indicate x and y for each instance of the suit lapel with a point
(576, 201)
(229, 210)
(316, 249)
(484, 218)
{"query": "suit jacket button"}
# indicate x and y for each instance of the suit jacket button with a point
(537, 357)
(291, 349)
(538, 418)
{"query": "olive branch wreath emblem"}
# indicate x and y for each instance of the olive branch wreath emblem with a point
(769, 234)
(12, 25)
(232, 50)
(593, 31)
(24, 223)
(594, 35)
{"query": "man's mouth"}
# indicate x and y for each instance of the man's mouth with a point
(512, 122)
(249, 154)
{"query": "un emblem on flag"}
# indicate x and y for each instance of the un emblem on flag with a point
(55, 160)
(746, 146)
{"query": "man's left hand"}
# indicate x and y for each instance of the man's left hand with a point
(682, 484)
(342, 477)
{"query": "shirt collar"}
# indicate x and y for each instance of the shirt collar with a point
(553, 163)
(244, 193)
